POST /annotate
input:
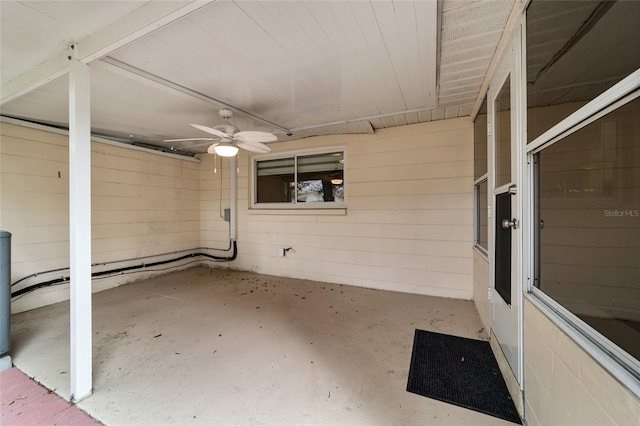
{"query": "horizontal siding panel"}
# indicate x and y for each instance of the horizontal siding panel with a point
(409, 202)
(422, 156)
(457, 249)
(409, 217)
(358, 259)
(408, 223)
(392, 173)
(342, 230)
(142, 204)
(384, 273)
(413, 187)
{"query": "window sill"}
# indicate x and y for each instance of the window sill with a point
(482, 251)
(303, 212)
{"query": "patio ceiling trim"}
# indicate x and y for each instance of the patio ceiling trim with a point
(514, 18)
(141, 22)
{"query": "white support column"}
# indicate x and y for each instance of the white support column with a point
(80, 229)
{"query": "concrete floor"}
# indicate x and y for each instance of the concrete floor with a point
(212, 346)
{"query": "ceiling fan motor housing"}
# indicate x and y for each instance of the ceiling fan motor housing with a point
(225, 113)
(227, 128)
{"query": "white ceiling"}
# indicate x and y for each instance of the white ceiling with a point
(301, 67)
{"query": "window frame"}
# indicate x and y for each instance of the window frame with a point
(254, 205)
(476, 215)
(618, 362)
(480, 179)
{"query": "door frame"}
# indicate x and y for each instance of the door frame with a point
(511, 64)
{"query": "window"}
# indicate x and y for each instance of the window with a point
(482, 230)
(583, 144)
(502, 109)
(480, 178)
(312, 179)
(588, 208)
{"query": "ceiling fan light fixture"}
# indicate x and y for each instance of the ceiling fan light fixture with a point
(337, 181)
(225, 150)
(230, 138)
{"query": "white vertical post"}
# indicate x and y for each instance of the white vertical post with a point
(80, 229)
(233, 198)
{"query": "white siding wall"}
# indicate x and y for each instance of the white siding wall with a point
(142, 204)
(408, 225)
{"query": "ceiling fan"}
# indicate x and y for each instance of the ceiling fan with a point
(228, 138)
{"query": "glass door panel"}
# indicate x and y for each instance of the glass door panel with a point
(502, 118)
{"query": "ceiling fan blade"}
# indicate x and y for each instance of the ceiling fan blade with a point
(190, 139)
(254, 136)
(253, 146)
(211, 130)
(210, 150)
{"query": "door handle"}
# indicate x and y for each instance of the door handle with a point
(513, 223)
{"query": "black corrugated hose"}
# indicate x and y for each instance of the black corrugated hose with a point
(63, 279)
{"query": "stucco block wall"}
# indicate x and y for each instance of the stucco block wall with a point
(407, 227)
(142, 204)
(564, 385)
(481, 286)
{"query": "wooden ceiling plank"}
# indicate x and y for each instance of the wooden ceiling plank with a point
(428, 48)
(412, 118)
(451, 112)
(372, 93)
(380, 77)
(385, 13)
(424, 116)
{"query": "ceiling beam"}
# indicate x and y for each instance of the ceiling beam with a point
(134, 73)
(55, 67)
(144, 20)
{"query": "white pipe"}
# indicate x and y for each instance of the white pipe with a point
(233, 199)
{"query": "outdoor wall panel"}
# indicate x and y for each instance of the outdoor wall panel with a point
(408, 221)
(142, 204)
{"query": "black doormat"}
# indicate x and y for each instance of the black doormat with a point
(459, 371)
